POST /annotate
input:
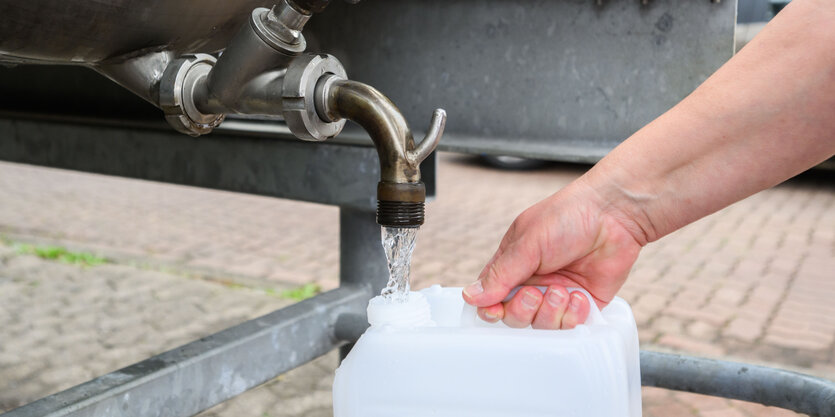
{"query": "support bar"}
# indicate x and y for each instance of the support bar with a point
(251, 159)
(758, 384)
(186, 380)
(361, 263)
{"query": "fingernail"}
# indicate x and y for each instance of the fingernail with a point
(529, 300)
(555, 298)
(474, 289)
(574, 304)
(490, 316)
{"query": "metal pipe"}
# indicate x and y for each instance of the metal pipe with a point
(191, 378)
(259, 95)
(758, 384)
(197, 92)
(251, 67)
(400, 192)
(310, 6)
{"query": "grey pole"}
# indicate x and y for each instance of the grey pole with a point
(191, 378)
(361, 263)
(758, 384)
(361, 258)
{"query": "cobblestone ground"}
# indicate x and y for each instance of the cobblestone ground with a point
(753, 282)
(63, 324)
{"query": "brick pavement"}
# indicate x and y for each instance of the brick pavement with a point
(64, 324)
(752, 282)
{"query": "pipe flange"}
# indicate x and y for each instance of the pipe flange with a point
(176, 95)
(299, 94)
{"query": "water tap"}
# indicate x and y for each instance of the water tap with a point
(400, 193)
(264, 71)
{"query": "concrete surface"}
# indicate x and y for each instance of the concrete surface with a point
(753, 282)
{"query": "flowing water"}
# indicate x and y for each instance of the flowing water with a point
(398, 243)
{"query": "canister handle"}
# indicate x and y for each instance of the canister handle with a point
(469, 316)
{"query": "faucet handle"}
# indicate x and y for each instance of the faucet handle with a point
(433, 136)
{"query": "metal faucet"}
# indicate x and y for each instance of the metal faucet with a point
(264, 71)
(400, 192)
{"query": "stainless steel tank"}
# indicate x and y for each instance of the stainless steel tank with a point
(91, 32)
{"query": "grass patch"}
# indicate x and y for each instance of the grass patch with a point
(298, 294)
(61, 254)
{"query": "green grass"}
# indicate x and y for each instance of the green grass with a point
(60, 254)
(301, 293)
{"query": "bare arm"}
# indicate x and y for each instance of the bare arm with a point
(766, 115)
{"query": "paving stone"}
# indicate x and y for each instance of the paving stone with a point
(668, 325)
(702, 331)
(703, 403)
(58, 357)
(690, 346)
(799, 340)
(764, 263)
(669, 409)
(758, 410)
(725, 412)
(59, 376)
(743, 329)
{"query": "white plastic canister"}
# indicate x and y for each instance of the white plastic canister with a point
(433, 357)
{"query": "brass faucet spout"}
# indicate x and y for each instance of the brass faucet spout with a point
(400, 193)
(365, 105)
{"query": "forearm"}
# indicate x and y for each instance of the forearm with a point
(765, 116)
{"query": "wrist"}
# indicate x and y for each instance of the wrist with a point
(627, 200)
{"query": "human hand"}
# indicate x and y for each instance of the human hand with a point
(571, 239)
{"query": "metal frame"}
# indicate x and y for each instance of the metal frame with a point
(254, 159)
(740, 381)
(257, 164)
(203, 373)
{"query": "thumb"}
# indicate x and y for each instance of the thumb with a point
(508, 269)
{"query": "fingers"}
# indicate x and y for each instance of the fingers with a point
(491, 314)
(556, 309)
(509, 268)
(521, 309)
(553, 308)
(577, 311)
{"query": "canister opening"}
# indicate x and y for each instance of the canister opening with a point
(414, 312)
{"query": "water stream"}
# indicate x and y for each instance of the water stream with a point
(398, 243)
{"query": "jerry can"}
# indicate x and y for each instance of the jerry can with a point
(432, 356)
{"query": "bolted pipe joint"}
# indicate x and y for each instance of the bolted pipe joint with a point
(400, 192)
(298, 97)
(177, 93)
(247, 78)
(253, 63)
